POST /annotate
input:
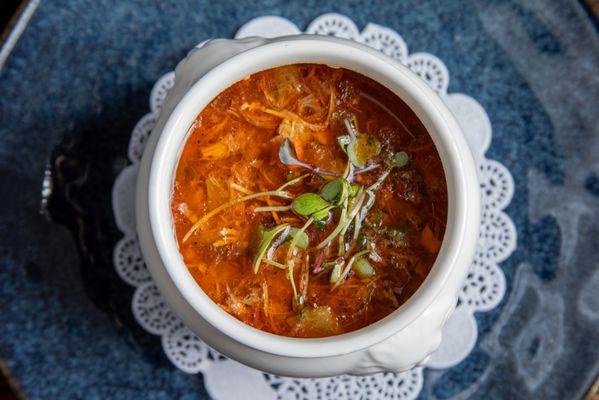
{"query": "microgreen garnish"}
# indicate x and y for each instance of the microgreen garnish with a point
(332, 189)
(267, 238)
(288, 157)
(345, 219)
(335, 273)
(366, 148)
(308, 203)
(273, 247)
(360, 148)
(319, 262)
(274, 263)
(302, 238)
(348, 267)
(240, 188)
(320, 216)
(400, 159)
(354, 201)
(336, 191)
(363, 268)
(336, 231)
(362, 214)
(290, 253)
(297, 237)
(362, 241)
(293, 181)
(272, 208)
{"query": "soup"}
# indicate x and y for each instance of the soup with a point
(309, 201)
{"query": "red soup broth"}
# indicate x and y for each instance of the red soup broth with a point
(354, 231)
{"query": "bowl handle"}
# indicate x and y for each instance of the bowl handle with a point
(200, 60)
(413, 345)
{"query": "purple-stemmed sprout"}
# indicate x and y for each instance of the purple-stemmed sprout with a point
(319, 262)
(288, 156)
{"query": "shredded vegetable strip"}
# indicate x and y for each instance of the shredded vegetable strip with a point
(188, 213)
(290, 220)
(274, 214)
(293, 181)
(292, 280)
(265, 303)
(274, 263)
(240, 188)
(285, 114)
(266, 177)
(265, 242)
(228, 204)
(353, 213)
(292, 247)
(272, 208)
(362, 214)
(379, 181)
(305, 278)
(384, 107)
(282, 237)
(228, 236)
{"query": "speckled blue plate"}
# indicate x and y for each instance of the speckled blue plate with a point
(78, 78)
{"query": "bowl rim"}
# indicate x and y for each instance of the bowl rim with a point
(425, 103)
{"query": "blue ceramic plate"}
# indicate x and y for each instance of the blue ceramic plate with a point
(78, 78)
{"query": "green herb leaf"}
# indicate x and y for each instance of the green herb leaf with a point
(401, 159)
(345, 187)
(322, 214)
(353, 158)
(353, 190)
(267, 238)
(302, 239)
(363, 268)
(335, 274)
(256, 237)
(308, 204)
(336, 191)
(332, 189)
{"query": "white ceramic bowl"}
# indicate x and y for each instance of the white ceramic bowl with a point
(397, 342)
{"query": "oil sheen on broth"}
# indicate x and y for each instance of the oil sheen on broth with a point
(309, 201)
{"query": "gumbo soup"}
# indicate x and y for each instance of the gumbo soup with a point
(309, 201)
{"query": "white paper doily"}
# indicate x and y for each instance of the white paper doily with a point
(482, 291)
